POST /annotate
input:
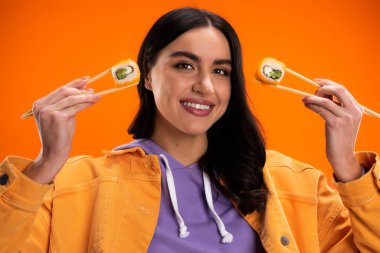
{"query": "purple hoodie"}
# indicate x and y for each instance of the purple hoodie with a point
(204, 235)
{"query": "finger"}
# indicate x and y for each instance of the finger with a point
(326, 103)
(325, 96)
(56, 96)
(330, 97)
(323, 112)
(78, 83)
(338, 91)
(61, 93)
(341, 98)
(73, 100)
(63, 115)
(341, 92)
(76, 86)
(73, 110)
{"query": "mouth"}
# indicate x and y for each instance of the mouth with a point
(197, 108)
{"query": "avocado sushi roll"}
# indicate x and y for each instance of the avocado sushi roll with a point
(125, 72)
(270, 71)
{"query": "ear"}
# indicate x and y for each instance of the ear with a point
(148, 82)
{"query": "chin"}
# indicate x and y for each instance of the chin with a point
(195, 130)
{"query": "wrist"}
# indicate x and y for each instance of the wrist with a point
(348, 171)
(42, 170)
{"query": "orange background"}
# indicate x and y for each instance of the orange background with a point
(45, 44)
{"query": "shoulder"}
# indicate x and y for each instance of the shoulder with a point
(280, 163)
(276, 159)
(291, 175)
(112, 165)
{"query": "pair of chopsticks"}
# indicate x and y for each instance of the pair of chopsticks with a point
(101, 93)
(308, 80)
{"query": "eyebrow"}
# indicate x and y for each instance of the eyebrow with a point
(197, 59)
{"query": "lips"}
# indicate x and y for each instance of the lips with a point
(199, 108)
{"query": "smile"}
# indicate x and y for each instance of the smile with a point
(196, 106)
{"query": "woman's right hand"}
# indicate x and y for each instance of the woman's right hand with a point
(55, 118)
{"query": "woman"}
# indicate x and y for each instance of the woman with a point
(187, 184)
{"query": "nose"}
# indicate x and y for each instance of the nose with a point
(203, 85)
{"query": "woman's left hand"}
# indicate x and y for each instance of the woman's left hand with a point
(342, 115)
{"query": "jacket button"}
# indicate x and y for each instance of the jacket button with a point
(261, 207)
(284, 240)
(4, 179)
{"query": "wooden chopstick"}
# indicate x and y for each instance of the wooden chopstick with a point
(308, 80)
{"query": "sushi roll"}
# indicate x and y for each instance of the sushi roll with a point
(270, 71)
(125, 72)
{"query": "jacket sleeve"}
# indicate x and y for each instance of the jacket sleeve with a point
(355, 224)
(25, 209)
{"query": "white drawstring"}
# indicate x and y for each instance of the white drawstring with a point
(183, 233)
(227, 237)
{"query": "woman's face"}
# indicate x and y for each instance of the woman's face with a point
(191, 81)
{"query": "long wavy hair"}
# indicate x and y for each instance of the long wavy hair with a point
(235, 154)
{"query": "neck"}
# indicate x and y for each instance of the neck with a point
(187, 149)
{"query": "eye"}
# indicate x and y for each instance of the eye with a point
(222, 72)
(184, 66)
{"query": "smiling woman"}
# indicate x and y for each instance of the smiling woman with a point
(197, 177)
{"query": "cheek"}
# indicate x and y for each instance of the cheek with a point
(159, 89)
(172, 87)
(166, 93)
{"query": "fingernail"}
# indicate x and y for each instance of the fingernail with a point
(85, 78)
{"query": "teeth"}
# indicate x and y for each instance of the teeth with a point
(196, 106)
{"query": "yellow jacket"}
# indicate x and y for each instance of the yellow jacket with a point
(111, 204)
